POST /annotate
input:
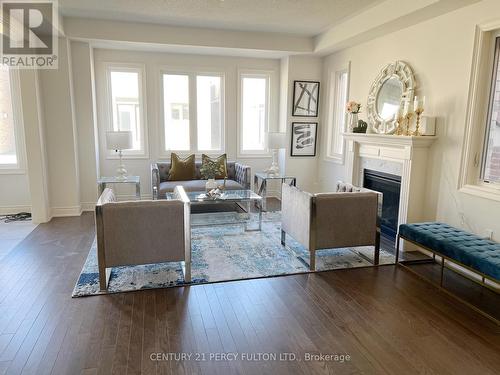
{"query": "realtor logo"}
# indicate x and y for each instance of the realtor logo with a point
(29, 34)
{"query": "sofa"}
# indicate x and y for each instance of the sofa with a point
(349, 217)
(238, 178)
(127, 233)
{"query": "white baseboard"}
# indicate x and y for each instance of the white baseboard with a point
(88, 206)
(7, 210)
(65, 211)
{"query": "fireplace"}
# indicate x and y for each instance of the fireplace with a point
(390, 186)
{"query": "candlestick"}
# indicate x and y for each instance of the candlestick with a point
(399, 128)
(406, 107)
(408, 117)
(419, 108)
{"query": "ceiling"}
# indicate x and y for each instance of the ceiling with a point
(300, 17)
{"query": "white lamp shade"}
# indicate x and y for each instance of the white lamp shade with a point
(121, 140)
(277, 140)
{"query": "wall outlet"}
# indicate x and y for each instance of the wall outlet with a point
(488, 234)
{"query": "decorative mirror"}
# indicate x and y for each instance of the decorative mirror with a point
(394, 85)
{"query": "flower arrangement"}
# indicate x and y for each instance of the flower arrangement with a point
(353, 107)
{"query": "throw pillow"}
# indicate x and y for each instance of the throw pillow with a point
(219, 164)
(181, 169)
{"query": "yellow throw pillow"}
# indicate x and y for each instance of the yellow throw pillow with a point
(221, 163)
(182, 169)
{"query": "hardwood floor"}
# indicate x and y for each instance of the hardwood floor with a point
(387, 320)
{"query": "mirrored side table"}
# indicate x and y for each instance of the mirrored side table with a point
(102, 182)
(260, 184)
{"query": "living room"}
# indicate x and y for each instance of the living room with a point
(250, 187)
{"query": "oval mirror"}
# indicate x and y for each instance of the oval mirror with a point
(389, 98)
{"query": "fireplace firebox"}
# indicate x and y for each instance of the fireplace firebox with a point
(390, 186)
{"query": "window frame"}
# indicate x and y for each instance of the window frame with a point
(473, 148)
(268, 75)
(491, 100)
(18, 122)
(192, 74)
(141, 70)
(334, 75)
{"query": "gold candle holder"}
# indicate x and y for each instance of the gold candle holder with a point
(408, 117)
(399, 128)
(418, 111)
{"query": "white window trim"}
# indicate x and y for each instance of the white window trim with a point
(17, 113)
(269, 75)
(132, 67)
(477, 108)
(192, 73)
(338, 158)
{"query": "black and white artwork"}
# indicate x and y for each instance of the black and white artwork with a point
(305, 98)
(304, 138)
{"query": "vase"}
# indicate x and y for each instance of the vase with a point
(211, 184)
(353, 122)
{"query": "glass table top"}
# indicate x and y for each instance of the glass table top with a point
(227, 196)
(267, 176)
(117, 180)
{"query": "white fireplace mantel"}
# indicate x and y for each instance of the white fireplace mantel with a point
(398, 140)
(411, 152)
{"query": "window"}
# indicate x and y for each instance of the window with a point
(480, 164)
(176, 112)
(9, 137)
(490, 171)
(209, 113)
(254, 113)
(339, 82)
(127, 105)
(193, 124)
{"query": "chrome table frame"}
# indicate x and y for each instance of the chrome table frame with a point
(252, 199)
(102, 183)
(261, 189)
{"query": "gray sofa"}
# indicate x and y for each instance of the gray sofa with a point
(239, 177)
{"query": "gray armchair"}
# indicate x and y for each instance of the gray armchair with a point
(347, 218)
(128, 233)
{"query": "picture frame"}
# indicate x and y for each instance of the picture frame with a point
(304, 139)
(305, 99)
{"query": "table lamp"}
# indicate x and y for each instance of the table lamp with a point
(119, 141)
(277, 141)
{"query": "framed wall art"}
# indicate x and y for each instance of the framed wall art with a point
(304, 138)
(305, 98)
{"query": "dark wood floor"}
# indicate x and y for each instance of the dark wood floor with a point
(387, 320)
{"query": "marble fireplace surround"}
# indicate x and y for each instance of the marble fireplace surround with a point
(405, 156)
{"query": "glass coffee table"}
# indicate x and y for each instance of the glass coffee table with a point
(244, 198)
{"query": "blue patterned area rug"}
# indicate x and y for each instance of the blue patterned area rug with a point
(222, 253)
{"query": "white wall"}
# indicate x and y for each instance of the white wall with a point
(88, 156)
(440, 52)
(14, 193)
(61, 138)
(36, 153)
(153, 63)
(307, 68)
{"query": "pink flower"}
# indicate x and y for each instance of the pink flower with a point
(353, 107)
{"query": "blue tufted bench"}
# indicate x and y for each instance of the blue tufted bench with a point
(476, 253)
